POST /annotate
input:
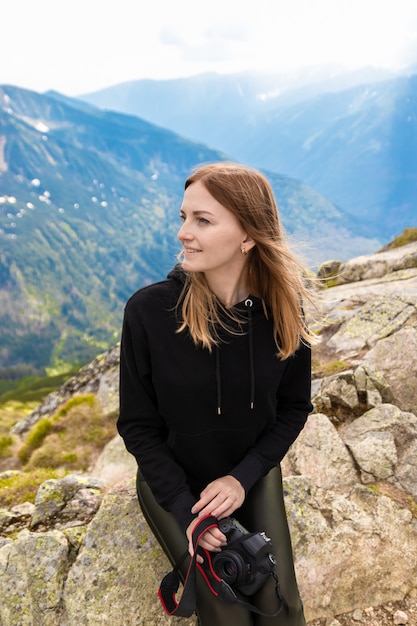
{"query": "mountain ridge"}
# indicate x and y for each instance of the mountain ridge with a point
(355, 143)
(89, 205)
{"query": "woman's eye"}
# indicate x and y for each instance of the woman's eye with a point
(202, 220)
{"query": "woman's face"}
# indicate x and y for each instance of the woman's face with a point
(211, 235)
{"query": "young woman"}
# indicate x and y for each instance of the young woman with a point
(215, 381)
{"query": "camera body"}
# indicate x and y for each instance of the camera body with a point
(246, 561)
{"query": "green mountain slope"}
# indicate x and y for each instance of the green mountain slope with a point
(89, 205)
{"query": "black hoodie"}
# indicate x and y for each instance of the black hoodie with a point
(190, 416)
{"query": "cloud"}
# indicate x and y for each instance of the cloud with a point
(84, 45)
(230, 31)
(171, 37)
(215, 43)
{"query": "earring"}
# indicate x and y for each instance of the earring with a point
(243, 251)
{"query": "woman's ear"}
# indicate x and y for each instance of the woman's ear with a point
(248, 243)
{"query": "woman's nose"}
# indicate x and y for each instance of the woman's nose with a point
(183, 233)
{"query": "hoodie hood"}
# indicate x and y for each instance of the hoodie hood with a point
(177, 273)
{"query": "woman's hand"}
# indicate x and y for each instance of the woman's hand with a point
(220, 498)
(212, 540)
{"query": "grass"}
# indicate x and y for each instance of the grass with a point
(6, 443)
(413, 506)
(409, 235)
(22, 487)
(72, 439)
(329, 369)
(34, 439)
(32, 389)
(69, 441)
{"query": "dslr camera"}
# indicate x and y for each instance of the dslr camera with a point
(246, 561)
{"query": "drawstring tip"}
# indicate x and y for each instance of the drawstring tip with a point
(219, 411)
(252, 405)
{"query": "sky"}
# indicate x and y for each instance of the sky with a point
(80, 46)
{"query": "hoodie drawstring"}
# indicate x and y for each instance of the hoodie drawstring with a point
(218, 382)
(248, 305)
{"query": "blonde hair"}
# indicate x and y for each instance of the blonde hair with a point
(274, 274)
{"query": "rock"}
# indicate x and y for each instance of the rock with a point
(7, 518)
(347, 548)
(337, 392)
(95, 377)
(72, 498)
(108, 388)
(24, 510)
(33, 569)
(378, 265)
(320, 454)
(408, 261)
(351, 392)
(9, 474)
(329, 270)
(400, 617)
(383, 442)
(389, 357)
(357, 615)
(118, 570)
(16, 517)
(115, 462)
(371, 386)
(342, 303)
(375, 320)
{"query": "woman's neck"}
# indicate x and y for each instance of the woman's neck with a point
(227, 289)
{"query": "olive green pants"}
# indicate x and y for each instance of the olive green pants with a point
(263, 510)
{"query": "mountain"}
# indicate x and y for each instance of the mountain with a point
(352, 137)
(89, 205)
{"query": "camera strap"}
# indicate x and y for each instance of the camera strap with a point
(186, 605)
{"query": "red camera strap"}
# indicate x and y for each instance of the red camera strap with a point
(185, 607)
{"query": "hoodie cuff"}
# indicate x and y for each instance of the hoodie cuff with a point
(181, 510)
(248, 472)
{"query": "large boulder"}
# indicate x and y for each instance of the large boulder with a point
(383, 443)
(33, 570)
(380, 317)
(320, 454)
(116, 575)
(354, 551)
(115, 462)
(396, 359)
(370, 266)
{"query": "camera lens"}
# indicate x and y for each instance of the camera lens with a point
(229, 569)
(230, 566)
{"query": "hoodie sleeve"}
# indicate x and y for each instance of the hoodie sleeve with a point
(293, 407)
(143, 429)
